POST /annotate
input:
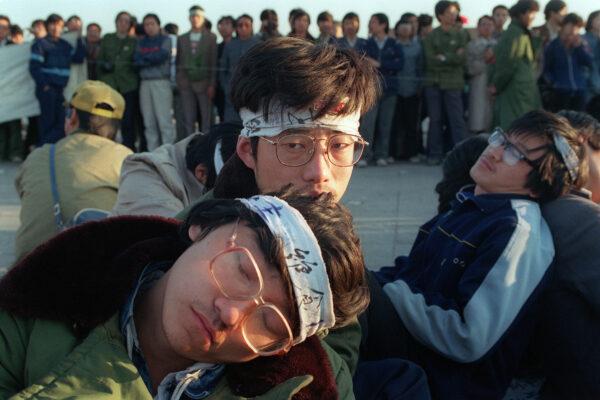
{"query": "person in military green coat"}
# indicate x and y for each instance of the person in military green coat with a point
(144, 307)
(115, 68)
(513, 78)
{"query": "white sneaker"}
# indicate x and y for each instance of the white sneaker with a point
(362, 164)
(381, 162)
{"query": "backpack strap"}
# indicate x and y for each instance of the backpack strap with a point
(58, 218)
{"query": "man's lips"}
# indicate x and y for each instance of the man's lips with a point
(205, 326)
(486, 163)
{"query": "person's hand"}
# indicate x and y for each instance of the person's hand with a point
(210, 92)
(492, 90)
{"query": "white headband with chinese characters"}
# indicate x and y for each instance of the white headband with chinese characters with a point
(281, 118)
(304, 263)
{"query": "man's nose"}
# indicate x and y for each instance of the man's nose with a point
(233, 312)
(318, 168)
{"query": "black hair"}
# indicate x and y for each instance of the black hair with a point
(207, 24)
(171, 28)
(573, 19)
(443, 5)
(245, 16)
(151, 15)
(351, 15)
(94, 24)
(523, 7)
(407, 15)
(484, 17)
(37, 21)
(124, 13)
(226, 18)
(53, 19)
(553, 6)
(382, 19)
(425, 20)
(98, 125)
(16, 30)
(267, 13)
(499, 7)
(5, 17)
(74, 17)
(325, 16)
(590, 20)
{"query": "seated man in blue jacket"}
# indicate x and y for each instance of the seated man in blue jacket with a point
(463, 302)
(50, 64)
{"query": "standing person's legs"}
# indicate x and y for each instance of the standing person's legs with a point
(150, 122)
(50, 106)
(162, 102)
(398, 135)
(385, 117)
(205, 105)
(180, 132)
(189, 107)
(128, 121)
(15, 144)
(31, 137)
(367, 130)
(453, 103)
(435, 144)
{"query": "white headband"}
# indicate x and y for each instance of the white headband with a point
(281, 118)
(304, 262)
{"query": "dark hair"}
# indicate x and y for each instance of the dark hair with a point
(456, 169)
(207, 24)
(325, 16)
(94, 24)
(351, 15)
(425, 20)
(407, 15)
(587, 126)
(74, 18)
(16, 30)
(499, 7)
(5, 17)
(201, 149)
(573, 19)
(443, 5)
(53, 19)
(382, 19)
(121, 13)
(151, 15)
(553, 6)
(522, 7)
(549, 177)
(298, 74)
(226, 18)
(245, 16)
(590, 20)
(332, 226)
(37, 21)
(171, 28)
(484, 17)
(267, 13)
(195, 8)
(139, 30)
(296, 14)
(98, 125)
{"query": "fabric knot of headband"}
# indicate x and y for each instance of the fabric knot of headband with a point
(280, 118)
(304, 263)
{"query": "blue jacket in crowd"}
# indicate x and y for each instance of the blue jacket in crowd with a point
(565, 69)
(468, 291)
(152, 55)
(391, 59)
(50, 62)
(360, 45)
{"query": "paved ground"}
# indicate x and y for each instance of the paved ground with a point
(388, 204)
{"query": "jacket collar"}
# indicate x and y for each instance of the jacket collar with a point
(486, 203)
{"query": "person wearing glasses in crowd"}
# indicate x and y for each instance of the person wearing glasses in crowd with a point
(463, 303)
(153, 308)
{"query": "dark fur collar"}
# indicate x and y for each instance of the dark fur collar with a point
(82, 277)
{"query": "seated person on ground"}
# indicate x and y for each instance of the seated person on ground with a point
(87, 163)
(466, 297)
(170, 178)
(569, 323)
(139, 307)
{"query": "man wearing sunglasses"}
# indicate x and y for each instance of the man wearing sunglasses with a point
(463, 303)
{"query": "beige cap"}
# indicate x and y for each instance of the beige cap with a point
(98, 98)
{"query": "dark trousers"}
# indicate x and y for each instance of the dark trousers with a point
(11, 144)
(566, 100)
(406, 140)
(451, 101)
(128, 125)
(52, 114)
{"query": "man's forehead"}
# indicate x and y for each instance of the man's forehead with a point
(312, 131)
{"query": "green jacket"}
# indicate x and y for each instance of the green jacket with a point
(115, 63)
(514, 76)
(42, 359)
(449, 73)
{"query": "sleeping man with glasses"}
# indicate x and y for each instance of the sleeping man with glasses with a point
(463, 303)
(145, 307)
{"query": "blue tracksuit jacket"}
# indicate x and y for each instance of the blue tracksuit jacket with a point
(467, 292)
(51, 60)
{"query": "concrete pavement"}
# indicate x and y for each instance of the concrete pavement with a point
(388, 205)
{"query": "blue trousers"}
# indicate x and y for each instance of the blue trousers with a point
(439, 100)
(52, 114)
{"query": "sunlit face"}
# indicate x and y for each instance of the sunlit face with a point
(414, 21)
(243, 27)
(39, 30)
(74, 25)
(225, 28)
(4, 29)
(493, 175)
(448, 17)
(301, 25)
(123, 24)
(500, 17)
(317, 176)
(404, 31)
(350, 27)
(485, 28)
(197, 20)
(151, 26)
(199, 322)
(55, 29)
(528, 18)
(93, 34)
(569, 33)
(375, 27)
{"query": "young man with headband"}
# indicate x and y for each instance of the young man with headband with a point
(151, 308)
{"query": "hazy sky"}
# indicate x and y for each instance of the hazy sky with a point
(23, 12)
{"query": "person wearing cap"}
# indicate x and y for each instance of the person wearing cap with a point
(147, 307)
(196, 72)
(463, 304)
(87, 163)
(174, 176)
(49, 66)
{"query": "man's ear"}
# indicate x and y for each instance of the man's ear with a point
(201, 173)
(72, 122)
(194, 232)
(244, 152)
